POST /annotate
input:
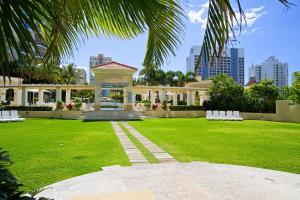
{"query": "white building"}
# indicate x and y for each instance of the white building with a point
(80, 75)
(96, 60)
(191, 60)
(231, 63)
(272, 69)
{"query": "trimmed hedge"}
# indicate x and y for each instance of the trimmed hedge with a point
(28, 108)
(185, 108)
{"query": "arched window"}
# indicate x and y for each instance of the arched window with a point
(10, 95)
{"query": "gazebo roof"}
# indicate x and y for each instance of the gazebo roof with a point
(114, 66)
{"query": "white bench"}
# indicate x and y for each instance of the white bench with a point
(222, 115)
(10, 116)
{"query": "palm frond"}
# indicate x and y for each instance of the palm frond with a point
(64, 24)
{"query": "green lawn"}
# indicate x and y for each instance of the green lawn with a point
(271, 145)
(48, 150)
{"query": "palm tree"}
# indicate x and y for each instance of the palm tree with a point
(50, 73)
(180, 78)
(62, 25)
(160, 77)
(28, 70)
(170, 78)
(69, 74)
(189, 77)
(222, 22)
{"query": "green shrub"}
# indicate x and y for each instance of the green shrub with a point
(181, 103)
(147, 103)
(78, 103)
(28, 108)
(59, 105)
(184, 108)
(164, 105)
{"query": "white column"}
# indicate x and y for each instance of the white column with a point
(133, 97)
(41, 97)
(174, 99)
(19, 97)
(193, 98)
(58, 95)
(163, 96)
(97, 95)
(181, 96)
(68, 96)
(188, 98)
(2, 94)
(125, 96)
(152, 97)
(25, 97)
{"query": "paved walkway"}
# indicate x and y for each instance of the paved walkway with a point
(180, 181)
(160, 154)
(134, 154)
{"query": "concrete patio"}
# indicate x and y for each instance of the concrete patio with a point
(178, 181)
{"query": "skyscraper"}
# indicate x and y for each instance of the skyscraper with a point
(230, 63)
(96, 60)
(192, 59)
(272, 69)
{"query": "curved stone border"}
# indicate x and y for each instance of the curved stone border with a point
(178, 181)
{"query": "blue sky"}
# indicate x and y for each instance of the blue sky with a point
(271, 30)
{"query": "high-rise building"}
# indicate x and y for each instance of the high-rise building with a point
(192, 59)
(80, 75)
(97, 60)
(273, 69)
(231, 63)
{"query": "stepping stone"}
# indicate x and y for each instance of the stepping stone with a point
(157, 152)
(133, 153)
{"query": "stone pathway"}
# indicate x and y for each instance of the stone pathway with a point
(134, 154)
(181, 181)
(160, 154)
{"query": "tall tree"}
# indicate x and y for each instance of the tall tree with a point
(170, 78)
(293, 92)
(69, 74)
(264, 95)
(225, 93)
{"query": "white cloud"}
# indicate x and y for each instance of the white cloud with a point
(199, 16)
(253, 14)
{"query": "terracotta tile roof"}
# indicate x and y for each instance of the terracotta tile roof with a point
(251, 82)
(114, 65)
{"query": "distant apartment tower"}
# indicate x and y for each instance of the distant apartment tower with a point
(192, 59)
(80, 75)
(271, 69)
(231, 63)
(96, 60)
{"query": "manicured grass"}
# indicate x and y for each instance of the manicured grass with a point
(271, 145)
(46, 150)
(147, 154)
